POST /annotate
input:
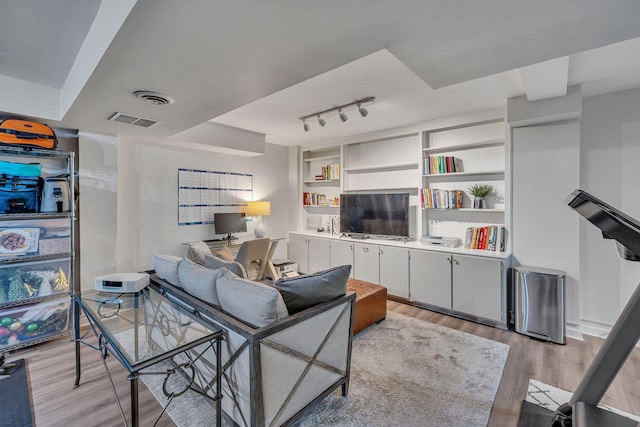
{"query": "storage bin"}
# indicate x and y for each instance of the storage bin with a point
(36, 279)
(24, 238)
(20, 326)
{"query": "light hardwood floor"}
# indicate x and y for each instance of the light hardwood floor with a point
(52, 369)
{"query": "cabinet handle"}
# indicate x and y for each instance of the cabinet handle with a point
(381, 252)
(456, 261)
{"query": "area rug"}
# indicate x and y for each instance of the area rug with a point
(15, 398)
(404, 371)
(542, 401)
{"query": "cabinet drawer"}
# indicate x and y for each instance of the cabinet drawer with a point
(29, 323)
(31, 280)
(34, 237)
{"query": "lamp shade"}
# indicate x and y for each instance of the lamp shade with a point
(258, 209)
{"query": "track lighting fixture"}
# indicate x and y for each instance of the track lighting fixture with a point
(343, 117)
(363, 111)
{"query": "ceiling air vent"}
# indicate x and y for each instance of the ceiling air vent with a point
(154, 98)
(132, 120)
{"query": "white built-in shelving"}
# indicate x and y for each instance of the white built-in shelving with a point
(480, 151)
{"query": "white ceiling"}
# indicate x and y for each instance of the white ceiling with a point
(260, 65)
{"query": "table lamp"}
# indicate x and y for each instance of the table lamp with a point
(259, 209)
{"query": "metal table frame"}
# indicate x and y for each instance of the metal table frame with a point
(106, 347)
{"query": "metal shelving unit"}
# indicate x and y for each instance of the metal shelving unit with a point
(36, 275)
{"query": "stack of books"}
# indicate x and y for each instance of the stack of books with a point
(329, 173)
(432, 198)
(488, 238)
(442, 164)
(314, 199)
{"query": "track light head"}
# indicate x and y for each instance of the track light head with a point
(321, 121)
(342, 115)
(363, 111)
(305, 126)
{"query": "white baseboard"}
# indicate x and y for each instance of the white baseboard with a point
(596, 329)
(574, 331)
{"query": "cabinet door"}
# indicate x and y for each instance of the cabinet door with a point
(477, 286)
(299, 251)
(394, 270)
(318, 254)
(366, 262)
(341, 253)
(430, 278)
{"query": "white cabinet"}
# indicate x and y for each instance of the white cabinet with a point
(299, 251)
(394, 270)
(477, 286)
(341, 253)
(471, 286)
(366, 262)
(430, 278)
(319, 258)
(310, 253)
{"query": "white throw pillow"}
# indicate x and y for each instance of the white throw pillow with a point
(214, 263)
(253, 303)
(197, 252)
(166, 267)
(200, 281)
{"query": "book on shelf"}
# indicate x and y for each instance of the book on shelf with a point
(442, 164)
(314, 199)
(433, 198)
(491, 238)
(329, 173)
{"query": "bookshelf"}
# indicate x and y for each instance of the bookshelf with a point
(380, 165)
(321, 172)
(454, 159)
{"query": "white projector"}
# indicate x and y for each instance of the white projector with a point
(122, 282)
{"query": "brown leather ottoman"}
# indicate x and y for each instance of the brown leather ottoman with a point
(371, 303)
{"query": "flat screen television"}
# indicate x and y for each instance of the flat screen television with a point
(613, 223)
(375, 214)
(229, 223)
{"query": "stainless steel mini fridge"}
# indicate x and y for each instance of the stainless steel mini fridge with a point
(540, 303)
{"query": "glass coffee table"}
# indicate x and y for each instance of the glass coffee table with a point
(140, 330)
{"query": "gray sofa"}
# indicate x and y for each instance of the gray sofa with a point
(276, 364)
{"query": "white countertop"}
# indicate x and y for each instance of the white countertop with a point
(411, 244)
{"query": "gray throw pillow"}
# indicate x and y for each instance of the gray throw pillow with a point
(197, 252)
(253, 303)
(235, 267)
(304, 291)
(200, 281)
(166, 267)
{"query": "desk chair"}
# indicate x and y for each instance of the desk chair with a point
(254, 251)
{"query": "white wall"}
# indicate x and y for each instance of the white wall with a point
(610, 159)
(128, 199)
(98, 170)
(545, 231)
(148, 191)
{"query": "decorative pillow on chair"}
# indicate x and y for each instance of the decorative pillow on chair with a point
(251, 302)
(200, 281)
(166, 267)
(214, 263)
(311, 289)
(225, 254)
(197, 251)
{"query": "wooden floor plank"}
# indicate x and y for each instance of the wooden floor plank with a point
(52, 372)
